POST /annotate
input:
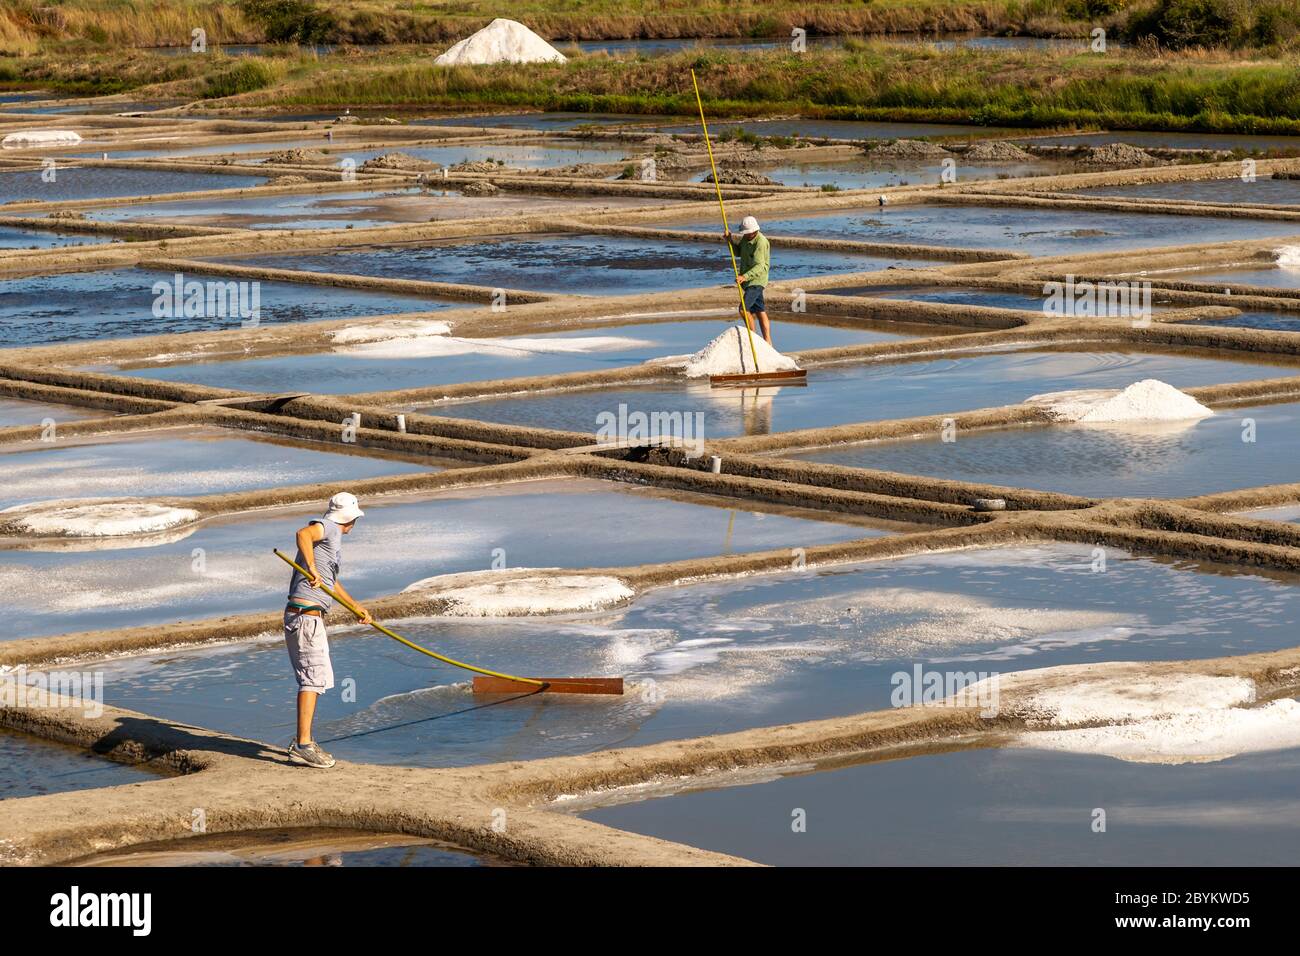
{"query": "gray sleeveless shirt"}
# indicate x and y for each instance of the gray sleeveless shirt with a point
(328, 552)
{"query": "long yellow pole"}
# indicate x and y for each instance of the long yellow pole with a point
(749, 326)
(398, 637)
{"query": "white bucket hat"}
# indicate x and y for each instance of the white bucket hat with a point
(343, 508)
(748, 225)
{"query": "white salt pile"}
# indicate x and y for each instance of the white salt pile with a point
(387, 331)
(537, 591)
(730, 354)
(1147, 401)
(501, 41)
(41, 137)
(1288, 257)
(415, 339)
(1199, 737)
(1115, 699)
(1174, 719)
(91, 518)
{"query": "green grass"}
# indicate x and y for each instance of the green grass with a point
(245, 76)
(1031, 89)
(36, 26)
(1123, 89)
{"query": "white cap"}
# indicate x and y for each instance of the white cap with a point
(747, 225)
(343, 508)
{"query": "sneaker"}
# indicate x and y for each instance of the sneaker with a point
(310, 755)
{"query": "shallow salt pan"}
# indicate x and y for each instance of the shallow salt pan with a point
(571, 263)
(32, 767)
(416, 354)
(21, 412)
(178, 462)
(1127, 459)
(13, 237)
(524, 524)
(1034, 231)
(36, 310)
(724, 656)
(992, 808)
(841, 394)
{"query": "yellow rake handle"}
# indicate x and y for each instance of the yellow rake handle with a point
(398, 637)
(725, 228)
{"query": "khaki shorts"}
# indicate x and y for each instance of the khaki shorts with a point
(309, 651)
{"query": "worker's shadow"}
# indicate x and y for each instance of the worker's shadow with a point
(157, 738)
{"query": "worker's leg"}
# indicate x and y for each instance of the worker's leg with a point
(306, 711)
(757, 306)
(309, 653)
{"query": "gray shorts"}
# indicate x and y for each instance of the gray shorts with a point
(309, 651)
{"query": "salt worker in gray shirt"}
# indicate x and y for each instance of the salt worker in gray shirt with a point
(320, 551)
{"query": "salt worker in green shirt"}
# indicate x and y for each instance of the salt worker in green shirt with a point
(754, 255)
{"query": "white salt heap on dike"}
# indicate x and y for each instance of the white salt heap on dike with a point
(730, 354)
(522, 593)
(1288, 257)
(41, 137)
(1147, 401)
(1166, 719)
(501, 41)
(92, 518)
(407, 339)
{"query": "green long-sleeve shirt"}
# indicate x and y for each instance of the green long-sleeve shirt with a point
(755, 259)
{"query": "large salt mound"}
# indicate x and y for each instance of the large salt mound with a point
(1147, 401)
(42, 137)
(1288, 257)
(1200, 736)
(394, 329)
(82, 518)
(1117, 699)
(1180, 718)
(408, 339)
(523, 593)
(729, 354)
(501, 41)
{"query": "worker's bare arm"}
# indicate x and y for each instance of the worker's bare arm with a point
(306, 538)
(365, 615)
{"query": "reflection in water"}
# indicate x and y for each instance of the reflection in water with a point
(872, 390)
(325, 847)
(756, 409)
(1235, 448)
